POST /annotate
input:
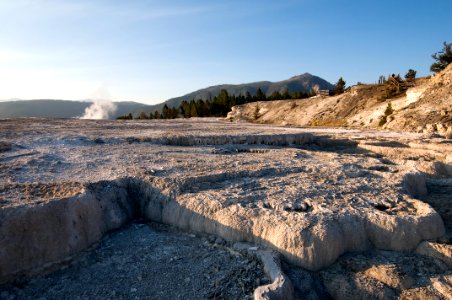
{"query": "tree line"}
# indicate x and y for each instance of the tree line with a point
(218, 106)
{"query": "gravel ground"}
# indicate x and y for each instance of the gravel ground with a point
(149, 261)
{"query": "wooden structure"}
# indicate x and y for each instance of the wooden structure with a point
(324, 92)
(399, 84)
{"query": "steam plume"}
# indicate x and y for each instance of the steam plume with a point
(101, 108)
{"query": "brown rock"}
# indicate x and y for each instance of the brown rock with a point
(414, 184)
(439, 251)
(391, 276)
(352, 286)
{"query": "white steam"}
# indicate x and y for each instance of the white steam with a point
(101, 109)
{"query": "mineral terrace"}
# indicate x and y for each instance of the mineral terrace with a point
(352, 214)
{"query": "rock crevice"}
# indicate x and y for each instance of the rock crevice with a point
(34, 237)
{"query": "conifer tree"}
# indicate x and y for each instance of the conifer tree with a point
(410, 75)
(260, 96)
(442, 58)
(340, 86)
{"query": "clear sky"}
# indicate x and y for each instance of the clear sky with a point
(149, 51)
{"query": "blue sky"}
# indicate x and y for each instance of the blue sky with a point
(150, 51)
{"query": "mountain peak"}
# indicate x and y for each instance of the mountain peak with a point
(304, 75)
(300, 83)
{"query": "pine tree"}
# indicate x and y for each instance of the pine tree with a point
(223, 97)
(275, 96)
(142, 116)
(410, 75)
(442, 58)
(256, 111)
(285, 94)
(166, 112)
(260, 96)
(340, 86)
(248, 97)
(193, 111)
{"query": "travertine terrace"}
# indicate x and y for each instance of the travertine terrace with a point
(425, 107)
(310, 194)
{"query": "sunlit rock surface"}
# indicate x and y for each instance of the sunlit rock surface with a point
(310, 194)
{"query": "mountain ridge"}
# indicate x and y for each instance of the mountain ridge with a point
(298, 83)
(425, 107)
(56, 108)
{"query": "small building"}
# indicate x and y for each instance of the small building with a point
(324, 92)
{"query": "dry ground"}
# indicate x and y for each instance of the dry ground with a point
(312, 194)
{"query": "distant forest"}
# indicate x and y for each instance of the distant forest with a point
(218, 106)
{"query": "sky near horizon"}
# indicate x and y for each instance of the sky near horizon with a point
(150, 51)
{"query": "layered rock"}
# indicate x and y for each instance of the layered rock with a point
(310, 196)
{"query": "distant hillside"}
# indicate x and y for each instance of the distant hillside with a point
(426, 107)
(44, 108)
(300, 83)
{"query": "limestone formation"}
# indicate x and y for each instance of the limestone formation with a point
(311, 195)
(414, 184)
(435, 250)
(425, 107)
(280, 287)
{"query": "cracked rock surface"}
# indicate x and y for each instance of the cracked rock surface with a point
(311, 194)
